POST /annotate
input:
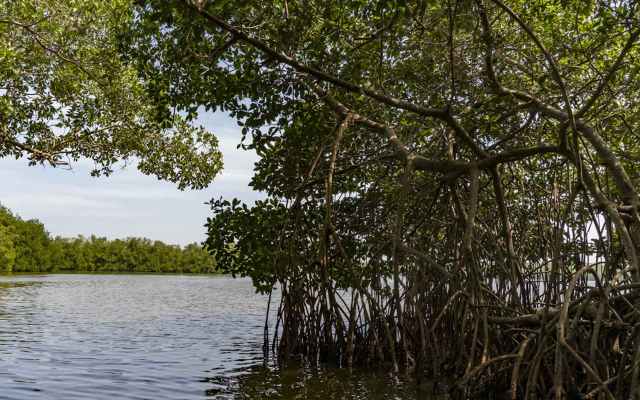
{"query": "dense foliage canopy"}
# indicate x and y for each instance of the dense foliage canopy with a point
(66, 94)
(464, 170)
(25, 246)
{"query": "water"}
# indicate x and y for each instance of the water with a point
(153, 337)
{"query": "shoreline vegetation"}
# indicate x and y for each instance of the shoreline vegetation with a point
(466, 171)
(185, 273)
(26, 247)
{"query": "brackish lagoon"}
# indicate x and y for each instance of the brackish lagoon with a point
(154, 337)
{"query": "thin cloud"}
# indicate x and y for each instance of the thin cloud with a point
(128, 203)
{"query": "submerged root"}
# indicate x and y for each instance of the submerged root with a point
(476, 345)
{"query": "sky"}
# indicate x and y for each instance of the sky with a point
(127, 203)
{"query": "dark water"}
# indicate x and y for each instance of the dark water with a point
(153, 337)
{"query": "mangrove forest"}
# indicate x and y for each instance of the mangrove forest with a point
(25, 246)
(451, 187)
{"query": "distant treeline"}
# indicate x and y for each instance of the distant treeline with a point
(25, 246)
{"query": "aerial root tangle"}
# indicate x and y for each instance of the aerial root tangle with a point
(476, 345)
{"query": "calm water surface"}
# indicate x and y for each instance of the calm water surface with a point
(152, 337)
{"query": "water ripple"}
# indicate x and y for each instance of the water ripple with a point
(105, 337)
(127, 337)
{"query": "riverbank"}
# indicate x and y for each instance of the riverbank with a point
(26, 246)
(20, 274)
